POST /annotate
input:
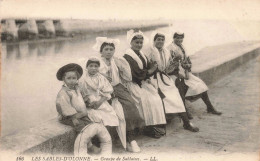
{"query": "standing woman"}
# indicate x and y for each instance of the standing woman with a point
(173, 102)
(144, 93)
(117, 71)
(195, 87)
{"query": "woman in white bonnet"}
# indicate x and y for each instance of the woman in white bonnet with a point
(193, 86)
(117, 71)
(173, 101)
(144, 93)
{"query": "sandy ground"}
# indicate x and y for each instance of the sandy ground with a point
(234, 133)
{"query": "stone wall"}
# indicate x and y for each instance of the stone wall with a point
(54, 138)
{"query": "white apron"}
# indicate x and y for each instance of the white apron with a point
(147, 98)
(94, 87)
(195, 84)
(172, 102)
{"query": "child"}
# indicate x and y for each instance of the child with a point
(96, 91)
(69, 102)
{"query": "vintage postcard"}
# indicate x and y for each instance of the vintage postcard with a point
(130, 80)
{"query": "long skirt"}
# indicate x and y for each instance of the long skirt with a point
(148, 102)
(132, 116)
(104, 114)
(172, 102)
(195, 84)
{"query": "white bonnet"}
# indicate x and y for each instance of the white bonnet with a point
(153, 35)
(131, 34)
(101, 40)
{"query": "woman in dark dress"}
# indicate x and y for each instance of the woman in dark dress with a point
(146, 96)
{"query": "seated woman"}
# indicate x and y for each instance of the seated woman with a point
(117, 71)
(96, 91)
(145, 95)
(173, 102)
(195, 87)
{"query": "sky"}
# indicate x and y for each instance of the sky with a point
(132, 9)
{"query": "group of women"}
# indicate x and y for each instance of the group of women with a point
(147, 87)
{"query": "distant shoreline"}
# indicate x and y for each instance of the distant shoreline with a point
(86, 34)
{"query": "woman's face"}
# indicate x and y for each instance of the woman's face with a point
(108, 51)
(92, 68)
(159, 42)
(70, 79)
(137, 44)
(178, 40)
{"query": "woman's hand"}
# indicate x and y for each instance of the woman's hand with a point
(175, 64)
(75, 121)
(91, 105)
(180, 76)
(88, 104)
(186, 66)
(187, 76)
(97, 104)
(153, 68)
(109, 78)
(176, 56)
(79, 115)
